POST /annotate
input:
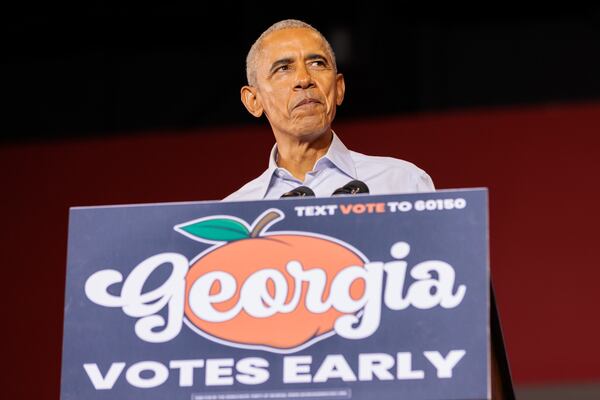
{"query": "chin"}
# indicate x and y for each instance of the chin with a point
(310, 125)
(311, 130)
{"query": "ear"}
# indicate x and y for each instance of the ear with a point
(249, 97)
(340, 88)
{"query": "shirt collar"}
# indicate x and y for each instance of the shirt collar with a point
(337, 154)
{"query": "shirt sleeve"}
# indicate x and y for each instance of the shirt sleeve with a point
(424, 183)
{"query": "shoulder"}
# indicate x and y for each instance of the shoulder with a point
(393, 174)
(253, 190)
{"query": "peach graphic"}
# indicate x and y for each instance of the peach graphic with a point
(247, 251)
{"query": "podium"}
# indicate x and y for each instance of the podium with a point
(350, 297)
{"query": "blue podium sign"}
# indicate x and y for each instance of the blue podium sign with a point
(350, 297)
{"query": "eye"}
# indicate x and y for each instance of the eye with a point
(318, 63)
(282, 68)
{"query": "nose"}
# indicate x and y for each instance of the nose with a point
(304, 79)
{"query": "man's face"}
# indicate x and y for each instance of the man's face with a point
(297, 87)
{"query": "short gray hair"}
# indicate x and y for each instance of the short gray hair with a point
(252, 57)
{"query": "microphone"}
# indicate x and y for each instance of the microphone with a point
(352, 187)
(300, 191)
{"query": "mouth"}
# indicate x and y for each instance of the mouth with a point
(307, 102)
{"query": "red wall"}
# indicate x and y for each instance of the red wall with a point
(540, 164)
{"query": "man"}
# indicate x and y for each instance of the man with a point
(293, 80)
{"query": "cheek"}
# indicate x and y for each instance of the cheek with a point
(277, 100)
(275, 107)
(331, 102)
(329, 94)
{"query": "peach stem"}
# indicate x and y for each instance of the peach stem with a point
(264, 221)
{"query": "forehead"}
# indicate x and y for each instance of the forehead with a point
(290, 43)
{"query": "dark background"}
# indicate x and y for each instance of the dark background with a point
(105, 104)
(95, 68)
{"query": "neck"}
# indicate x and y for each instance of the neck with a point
(299, 156)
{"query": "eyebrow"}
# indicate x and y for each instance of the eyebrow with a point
(316, 56)
(280, 62)
(290, 60)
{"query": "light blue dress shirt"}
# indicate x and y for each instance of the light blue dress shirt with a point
(383, 175)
